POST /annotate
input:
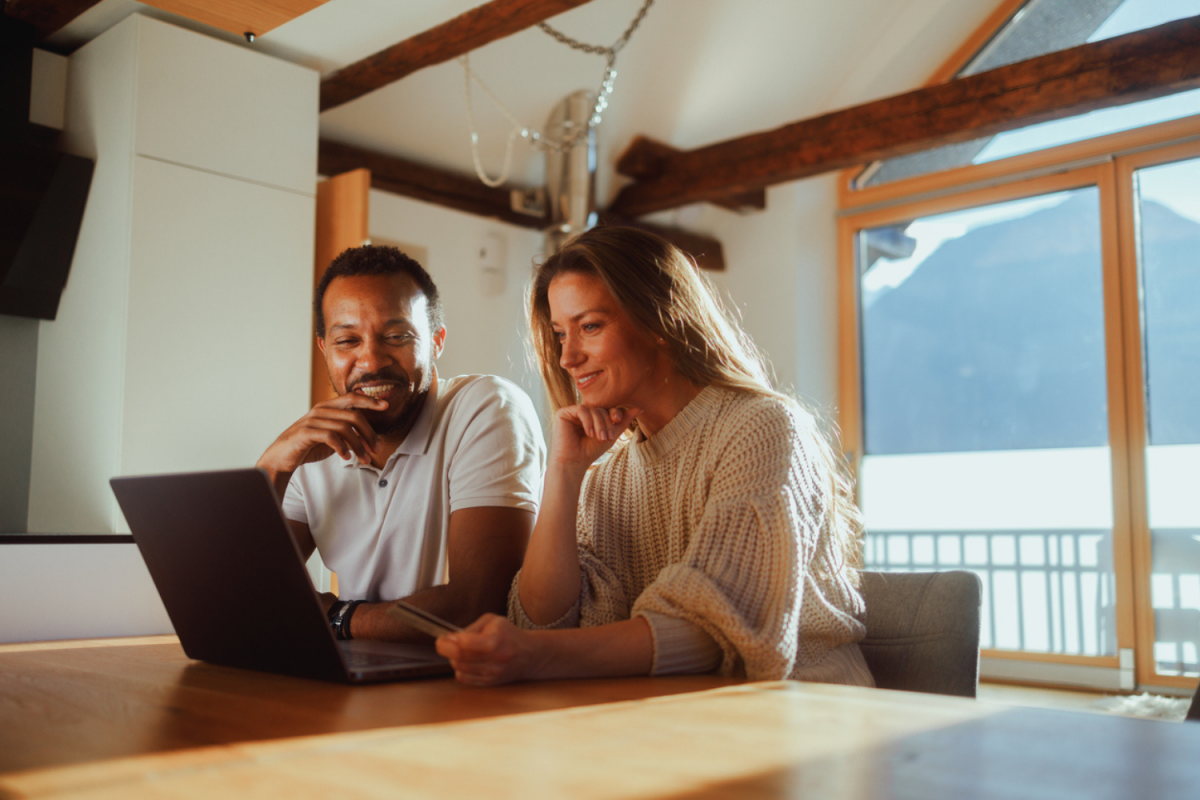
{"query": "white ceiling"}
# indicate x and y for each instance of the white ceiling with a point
(695, 72)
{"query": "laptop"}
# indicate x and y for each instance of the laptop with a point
(235, 586)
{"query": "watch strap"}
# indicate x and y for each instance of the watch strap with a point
(339, 617)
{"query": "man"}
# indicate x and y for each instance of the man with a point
(408, 485)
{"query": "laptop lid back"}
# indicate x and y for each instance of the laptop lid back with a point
(229, 572)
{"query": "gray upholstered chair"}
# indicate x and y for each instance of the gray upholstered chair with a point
(923, 630)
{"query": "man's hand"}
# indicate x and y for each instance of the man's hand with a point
(334, 426)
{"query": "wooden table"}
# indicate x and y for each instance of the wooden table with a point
(64, 703)
(778, 739)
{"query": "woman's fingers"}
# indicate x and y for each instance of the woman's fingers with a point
(485, 653)
(602, 424)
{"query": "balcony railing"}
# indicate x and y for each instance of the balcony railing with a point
(1054, 591)
(1043, 591)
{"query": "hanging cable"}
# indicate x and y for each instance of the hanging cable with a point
(535, 139)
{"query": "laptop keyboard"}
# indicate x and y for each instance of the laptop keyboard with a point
(361, 660)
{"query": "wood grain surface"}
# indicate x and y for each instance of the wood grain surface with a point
(763, 740)
(80, 702)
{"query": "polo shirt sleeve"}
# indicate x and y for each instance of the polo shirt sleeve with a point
(500, 453)
(293, 500)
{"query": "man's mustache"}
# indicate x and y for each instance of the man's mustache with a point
(382, 376)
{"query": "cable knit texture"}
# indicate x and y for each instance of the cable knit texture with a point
(721, 520)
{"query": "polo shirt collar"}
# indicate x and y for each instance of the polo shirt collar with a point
(416, 443)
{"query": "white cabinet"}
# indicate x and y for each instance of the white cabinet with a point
(183, 336)
(226, 109)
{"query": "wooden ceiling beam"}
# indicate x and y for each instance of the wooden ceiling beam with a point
(420, 182)
(47, 16)
(1125, 69)
(646, 158)
(465, 193)
(464, 33)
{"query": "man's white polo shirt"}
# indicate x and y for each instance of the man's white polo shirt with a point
(477, 442)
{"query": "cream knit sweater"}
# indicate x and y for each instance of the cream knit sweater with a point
(718, 531)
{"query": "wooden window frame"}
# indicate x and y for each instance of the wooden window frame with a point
(1125, 167)
(1103, 177)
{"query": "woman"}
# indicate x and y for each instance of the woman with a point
(717, 534)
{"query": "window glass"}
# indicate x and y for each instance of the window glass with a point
(983, 329)
(985, 413)
(1168, 216)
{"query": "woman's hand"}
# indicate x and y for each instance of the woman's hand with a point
(584, 433)
(491, 651)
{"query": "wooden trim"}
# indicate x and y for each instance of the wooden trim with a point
(343, 203)
(1052, 658)
(420, 182)
(1044, 684)
(849, 396)
(1141, 539)
(1001, 16)
(972, 198)
(464, 33)
(1020, 167)
(237, 17)
(1171, 681)
(1116, 385)
(1111, 72)
(47, 16)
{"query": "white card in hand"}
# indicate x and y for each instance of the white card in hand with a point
(421, 619)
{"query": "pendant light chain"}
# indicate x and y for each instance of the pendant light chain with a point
(535, 139)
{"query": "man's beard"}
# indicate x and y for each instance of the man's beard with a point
(410, 404)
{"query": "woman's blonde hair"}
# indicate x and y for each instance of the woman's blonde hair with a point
(662, 292)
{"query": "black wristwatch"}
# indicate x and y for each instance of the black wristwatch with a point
(339, 617)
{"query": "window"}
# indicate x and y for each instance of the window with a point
(1021, 367)
(985, 418)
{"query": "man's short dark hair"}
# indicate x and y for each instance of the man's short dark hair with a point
(377, 260)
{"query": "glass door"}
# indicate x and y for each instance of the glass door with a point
(984, 386)
(1161, 244)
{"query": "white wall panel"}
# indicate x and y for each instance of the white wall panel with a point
(216, 106)
(77, 591)
(217, 358)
